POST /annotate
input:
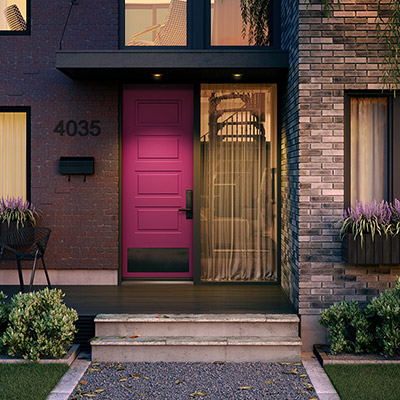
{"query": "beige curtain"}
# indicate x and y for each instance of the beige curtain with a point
(227, 24)
(238, 204)
(13, 154)
(368, 148)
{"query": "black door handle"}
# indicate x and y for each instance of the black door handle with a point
(189, 204)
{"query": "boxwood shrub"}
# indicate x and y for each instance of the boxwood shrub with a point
(39, 325)
(374, 328)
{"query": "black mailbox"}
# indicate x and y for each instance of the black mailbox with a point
(76, 165)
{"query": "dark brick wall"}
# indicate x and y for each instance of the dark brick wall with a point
(335, 56)
(290, 154)
(82, 215)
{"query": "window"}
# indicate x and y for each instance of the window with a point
(155, 22)
(227, 28)
(238, 204)
(14, 154)
(15, 17)
(372, 140)
(199, 24)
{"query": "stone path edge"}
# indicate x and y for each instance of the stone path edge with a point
(71, 378)
(67, 359)
(322, 384)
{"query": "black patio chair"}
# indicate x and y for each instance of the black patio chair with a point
(25, 244)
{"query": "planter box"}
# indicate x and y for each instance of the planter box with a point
(381, 250)
(67, 359)
(324, 356)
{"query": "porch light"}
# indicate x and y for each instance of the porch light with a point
(157, 76)
(237, 77)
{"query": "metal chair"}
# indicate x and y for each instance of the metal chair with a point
(25, 244)
(171, 33)
(14, 18)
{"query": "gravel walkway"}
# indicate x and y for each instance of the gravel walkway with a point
(202, 381)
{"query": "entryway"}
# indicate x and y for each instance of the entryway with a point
(200, 183)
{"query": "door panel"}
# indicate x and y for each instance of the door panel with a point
(157, 162)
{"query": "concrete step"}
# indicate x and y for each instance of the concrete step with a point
(197, 325)
(197, 349)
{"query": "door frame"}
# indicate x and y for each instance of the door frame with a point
(197, 184)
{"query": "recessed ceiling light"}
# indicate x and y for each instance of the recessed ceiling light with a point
(237, 76)
(157, 76)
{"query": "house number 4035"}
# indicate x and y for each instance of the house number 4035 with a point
(81, 128)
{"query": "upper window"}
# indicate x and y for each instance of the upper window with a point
(13, 154)
(239, 22)
(372, 137)
(14, 16)
(155, 22)
(199, 23)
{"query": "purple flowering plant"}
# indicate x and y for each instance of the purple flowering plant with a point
(17, 209)
(371, 218)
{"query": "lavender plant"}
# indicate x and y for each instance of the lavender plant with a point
(18, 210)
(371, 218)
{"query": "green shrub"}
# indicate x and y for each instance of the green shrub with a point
(4, 312)
(349, 329)
(40, 324)
(385, 312)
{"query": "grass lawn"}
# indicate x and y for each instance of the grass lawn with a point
(365, 382)
(29, 381)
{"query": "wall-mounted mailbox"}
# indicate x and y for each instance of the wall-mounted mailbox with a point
(76, 165)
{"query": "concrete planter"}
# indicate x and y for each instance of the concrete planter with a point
(67, 359)
(324, 356)
(381, 250)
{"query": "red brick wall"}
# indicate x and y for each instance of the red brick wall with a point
(83, 216)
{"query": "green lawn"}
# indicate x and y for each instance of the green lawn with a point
(29, 381)
(365, 382)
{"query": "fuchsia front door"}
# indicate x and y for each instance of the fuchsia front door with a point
(157, 181)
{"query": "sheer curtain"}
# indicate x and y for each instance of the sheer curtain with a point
(12, 154)
(227, 24)
(238, 204)
(368, 127)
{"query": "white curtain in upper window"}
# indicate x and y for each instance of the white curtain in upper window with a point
(368, 143)
(13, 154)
(227, 24)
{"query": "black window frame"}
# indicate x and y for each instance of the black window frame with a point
(392, 161)
(199, 30)
(27, 32)
(27, 111)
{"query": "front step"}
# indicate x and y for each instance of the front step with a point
(197, 337)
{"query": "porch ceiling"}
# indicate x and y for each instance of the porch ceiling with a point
(175, 65)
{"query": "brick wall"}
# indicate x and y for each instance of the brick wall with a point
(290, 155)
(335, 55)
(83, 216)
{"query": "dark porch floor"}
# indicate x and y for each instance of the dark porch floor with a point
(166, 298)
(173, 298)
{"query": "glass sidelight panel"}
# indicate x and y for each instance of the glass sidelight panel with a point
(238, 183)
(155, 22)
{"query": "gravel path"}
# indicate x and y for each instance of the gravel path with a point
(202, 381)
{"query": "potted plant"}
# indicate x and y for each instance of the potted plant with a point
(16, 213)
(370, 233)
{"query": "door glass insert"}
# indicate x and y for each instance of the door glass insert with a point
(238, 183)
(155, 22)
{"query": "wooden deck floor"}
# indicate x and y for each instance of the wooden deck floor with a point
(174, 298)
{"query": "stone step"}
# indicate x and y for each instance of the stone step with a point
(197, 349)
(197, 325)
